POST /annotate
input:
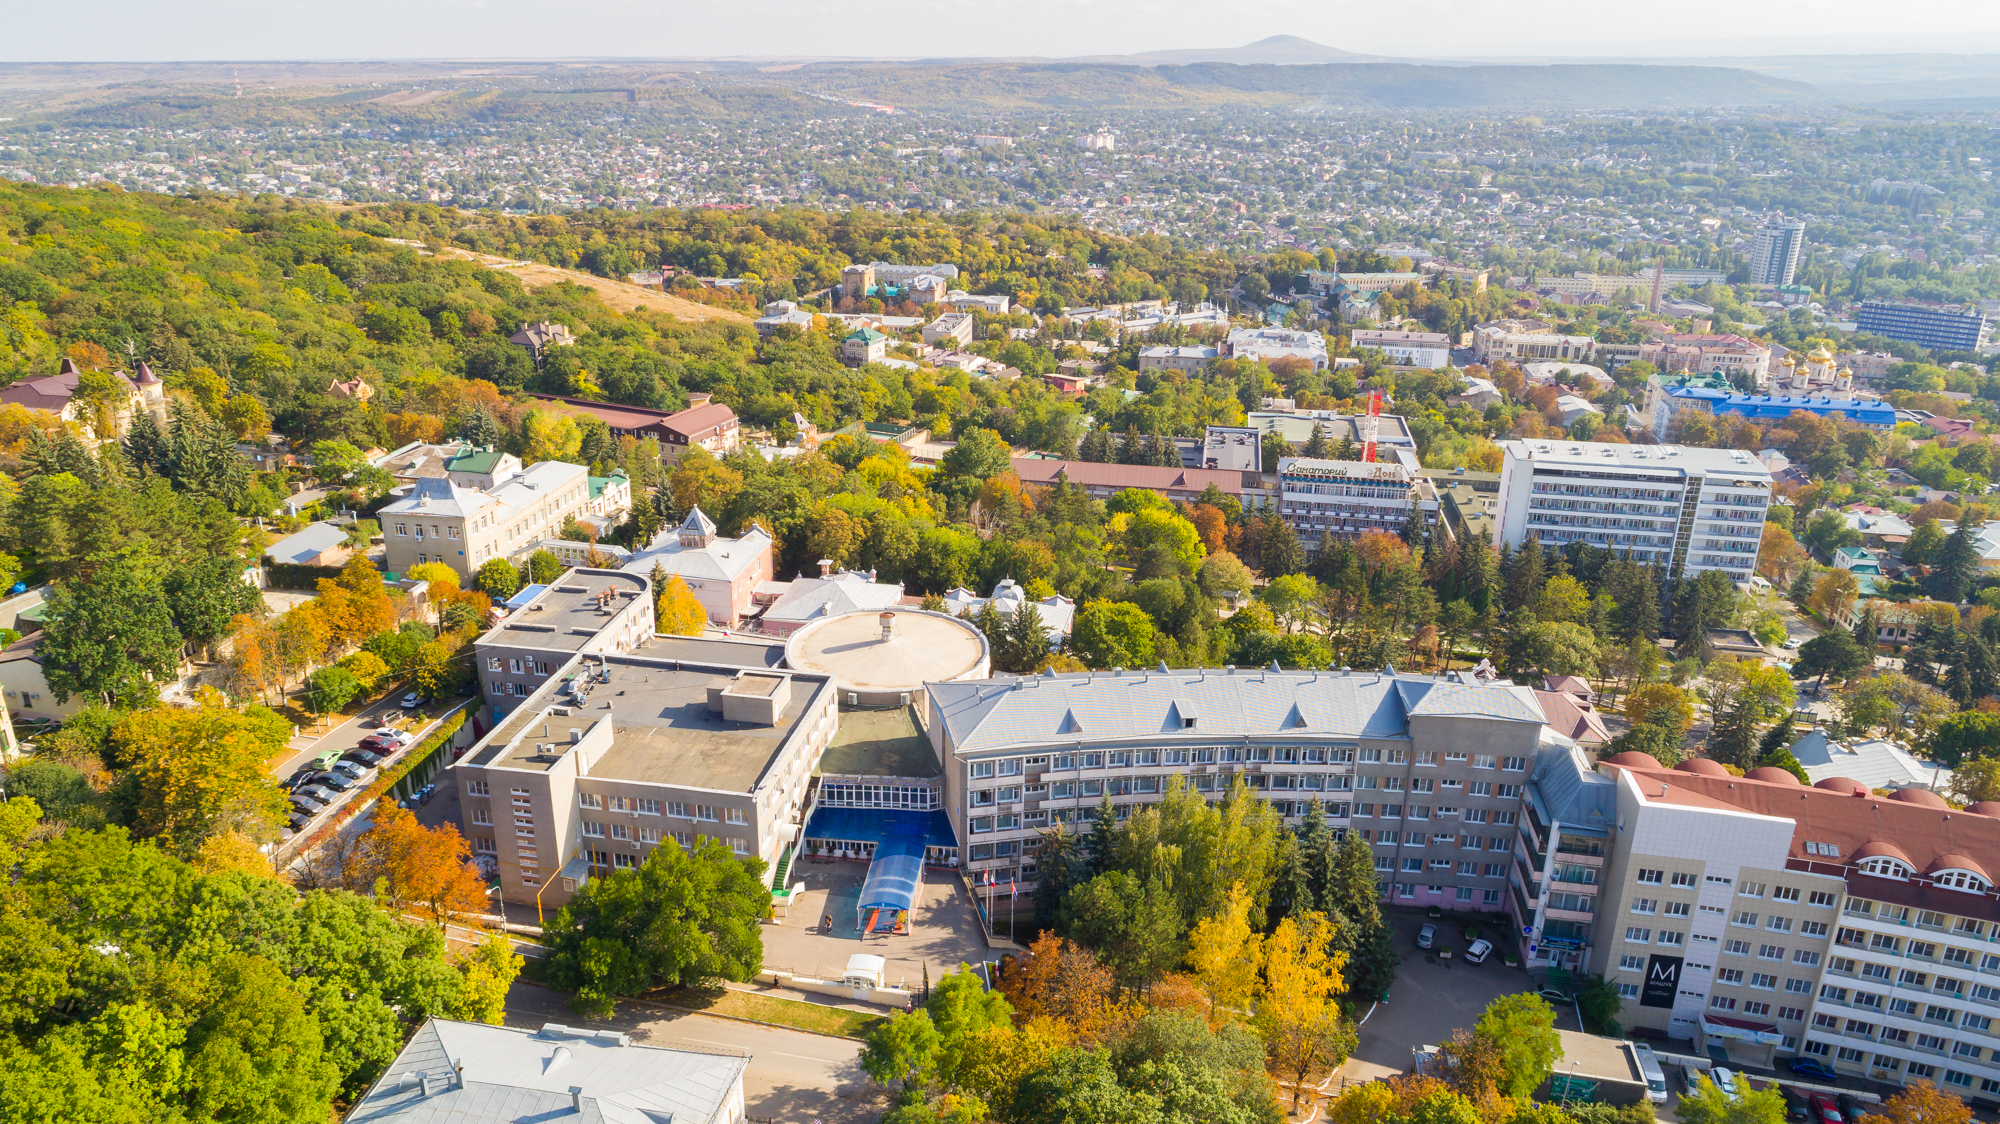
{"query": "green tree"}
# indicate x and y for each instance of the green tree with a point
(204, 596)
(1956, 570)
(685, 916)
(331, 688)
(1134, 927)
(1279, 551)
(1707, 1104)
(980, 454)
(1354, 899)
(497, 579)
(1522, 1029)
(257, 1055)
(544, 567)
(906, 1049)
(110, 636)
(1113, 634)
(1833, 653)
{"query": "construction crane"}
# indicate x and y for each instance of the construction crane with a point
(1373, 427)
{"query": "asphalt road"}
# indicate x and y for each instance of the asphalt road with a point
(793, 1076)
(341, 738)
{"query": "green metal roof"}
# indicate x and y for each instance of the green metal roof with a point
(479, 460)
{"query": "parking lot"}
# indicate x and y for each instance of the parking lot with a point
(1432, 998)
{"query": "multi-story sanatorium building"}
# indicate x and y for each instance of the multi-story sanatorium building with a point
(1768, 918)
(1687, 509)
(1429, 770)
(1946, 327)
(1348, 498)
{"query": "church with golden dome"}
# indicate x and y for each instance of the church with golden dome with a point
(1817, 372)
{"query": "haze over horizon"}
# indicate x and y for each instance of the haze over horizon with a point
(224, 30)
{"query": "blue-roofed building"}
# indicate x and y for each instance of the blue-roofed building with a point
(1767, 408)
(1429, 770)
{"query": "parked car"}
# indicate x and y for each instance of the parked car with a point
(1427, 936)
(1825, 1108)
(367, 755)
(411, 701)
(1724, 1080)
(399, 737)
(1692, 1076)
(1478, 951)
(1792, 645)
(338, 782)
(316, 791)
(310, 802)
(1796, 1105)
(1850, 1107)
(1813, 1068)
(383, 719)
(383, 746)
(354, 769)
(300, 776)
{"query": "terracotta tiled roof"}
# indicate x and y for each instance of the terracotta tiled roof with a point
(1854, 825)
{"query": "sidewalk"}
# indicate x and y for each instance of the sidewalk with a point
(806, 997)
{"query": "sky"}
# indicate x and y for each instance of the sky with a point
(165, 30)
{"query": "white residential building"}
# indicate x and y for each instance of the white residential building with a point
(1268, 344)
(1162, 358)
(995, 304)
(1774, 256)
(1408, 349)
(1689, 509)
(953, 326)
(1516, 343)
(1348, 498)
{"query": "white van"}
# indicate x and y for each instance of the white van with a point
(1649, 1067)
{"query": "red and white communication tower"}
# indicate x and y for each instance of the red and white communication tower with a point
(1374, 424)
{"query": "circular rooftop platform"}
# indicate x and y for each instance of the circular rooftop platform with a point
(919, 647)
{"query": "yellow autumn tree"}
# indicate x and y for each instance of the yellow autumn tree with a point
(1223, 952)
(678, 612)
(1305, 1037)
(202, 771)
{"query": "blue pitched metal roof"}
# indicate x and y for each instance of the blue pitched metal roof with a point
(1772, 407)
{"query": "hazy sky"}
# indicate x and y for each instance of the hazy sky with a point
(152, 30)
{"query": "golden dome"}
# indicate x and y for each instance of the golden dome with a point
(1821, 355)
(1788, 361)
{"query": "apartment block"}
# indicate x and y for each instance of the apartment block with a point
(1407, 349)
(581, 613)
(1688, 509)
(620, 754)
(1430, 770)
(1946, 327)
(1350, 498)
(952, 326)
(1774, 256)
(1765, 918)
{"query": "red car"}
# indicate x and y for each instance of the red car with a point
(1825, 1109)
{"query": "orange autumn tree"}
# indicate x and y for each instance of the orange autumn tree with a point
(1064, 982)
(1922, 1103)
(426, 870)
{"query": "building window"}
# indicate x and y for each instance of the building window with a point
(593, 829)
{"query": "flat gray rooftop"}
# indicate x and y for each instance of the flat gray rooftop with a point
(711, 650)
(880, 743)
(566, 616)
(662, 729)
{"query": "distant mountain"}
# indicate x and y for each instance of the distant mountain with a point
(1278, 50)
(1082, 85)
